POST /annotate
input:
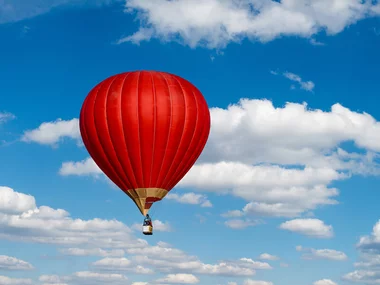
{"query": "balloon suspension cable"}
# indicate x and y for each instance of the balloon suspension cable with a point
(154, 209)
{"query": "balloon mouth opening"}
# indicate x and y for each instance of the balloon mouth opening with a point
(144, 198)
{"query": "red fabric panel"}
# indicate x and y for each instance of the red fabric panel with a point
(145, 129)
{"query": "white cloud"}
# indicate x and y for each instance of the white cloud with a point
(256, 264)
(239, 224)
(166, 259)
(80, 168)
(292, 208)
(161, 226)
(85, 278)
(310, 227)
(55, 226)
(108, 237)
(179, 278)
(277, 191)
(249, 137)
(369, 259)
(330, 254)
(325, 282)
(190, 198)
(256, 282)
(4, 280)
(160, 251)
(255, 131)
(215, 23)
(371, 243)
(363, 276)
(5, 117)
(12, 202)
(50, 133)
(232, 174)
(267, 256)
(239, 268)
(306, 85)
(92, 252)
(282, 158)
(120, 264)
(12, 263)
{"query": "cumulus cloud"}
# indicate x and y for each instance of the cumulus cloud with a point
(309, 227)
(325, 282)
(55, 226)
(50, 133)
(12, 263)
(161, 250)
(281, 160)
(80, 168)
(215, 23)
(371, 243)
(190, 198)
(369, 259)
(235, 175)
(12, 202)
(120, 264)
(248, 139)
(277, 191)
(166, 259)
(107, 238)
(196, 266)
(179, 278)
(255, 131)
(330, 254)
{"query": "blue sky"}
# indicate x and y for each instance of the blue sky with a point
(286, 190)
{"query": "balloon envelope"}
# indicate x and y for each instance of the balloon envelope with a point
(145, 130)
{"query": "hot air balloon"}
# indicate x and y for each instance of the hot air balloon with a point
(145, 130)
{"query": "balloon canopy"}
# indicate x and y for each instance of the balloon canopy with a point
(145, 130)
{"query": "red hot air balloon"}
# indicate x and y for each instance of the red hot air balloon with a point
(145, 130)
